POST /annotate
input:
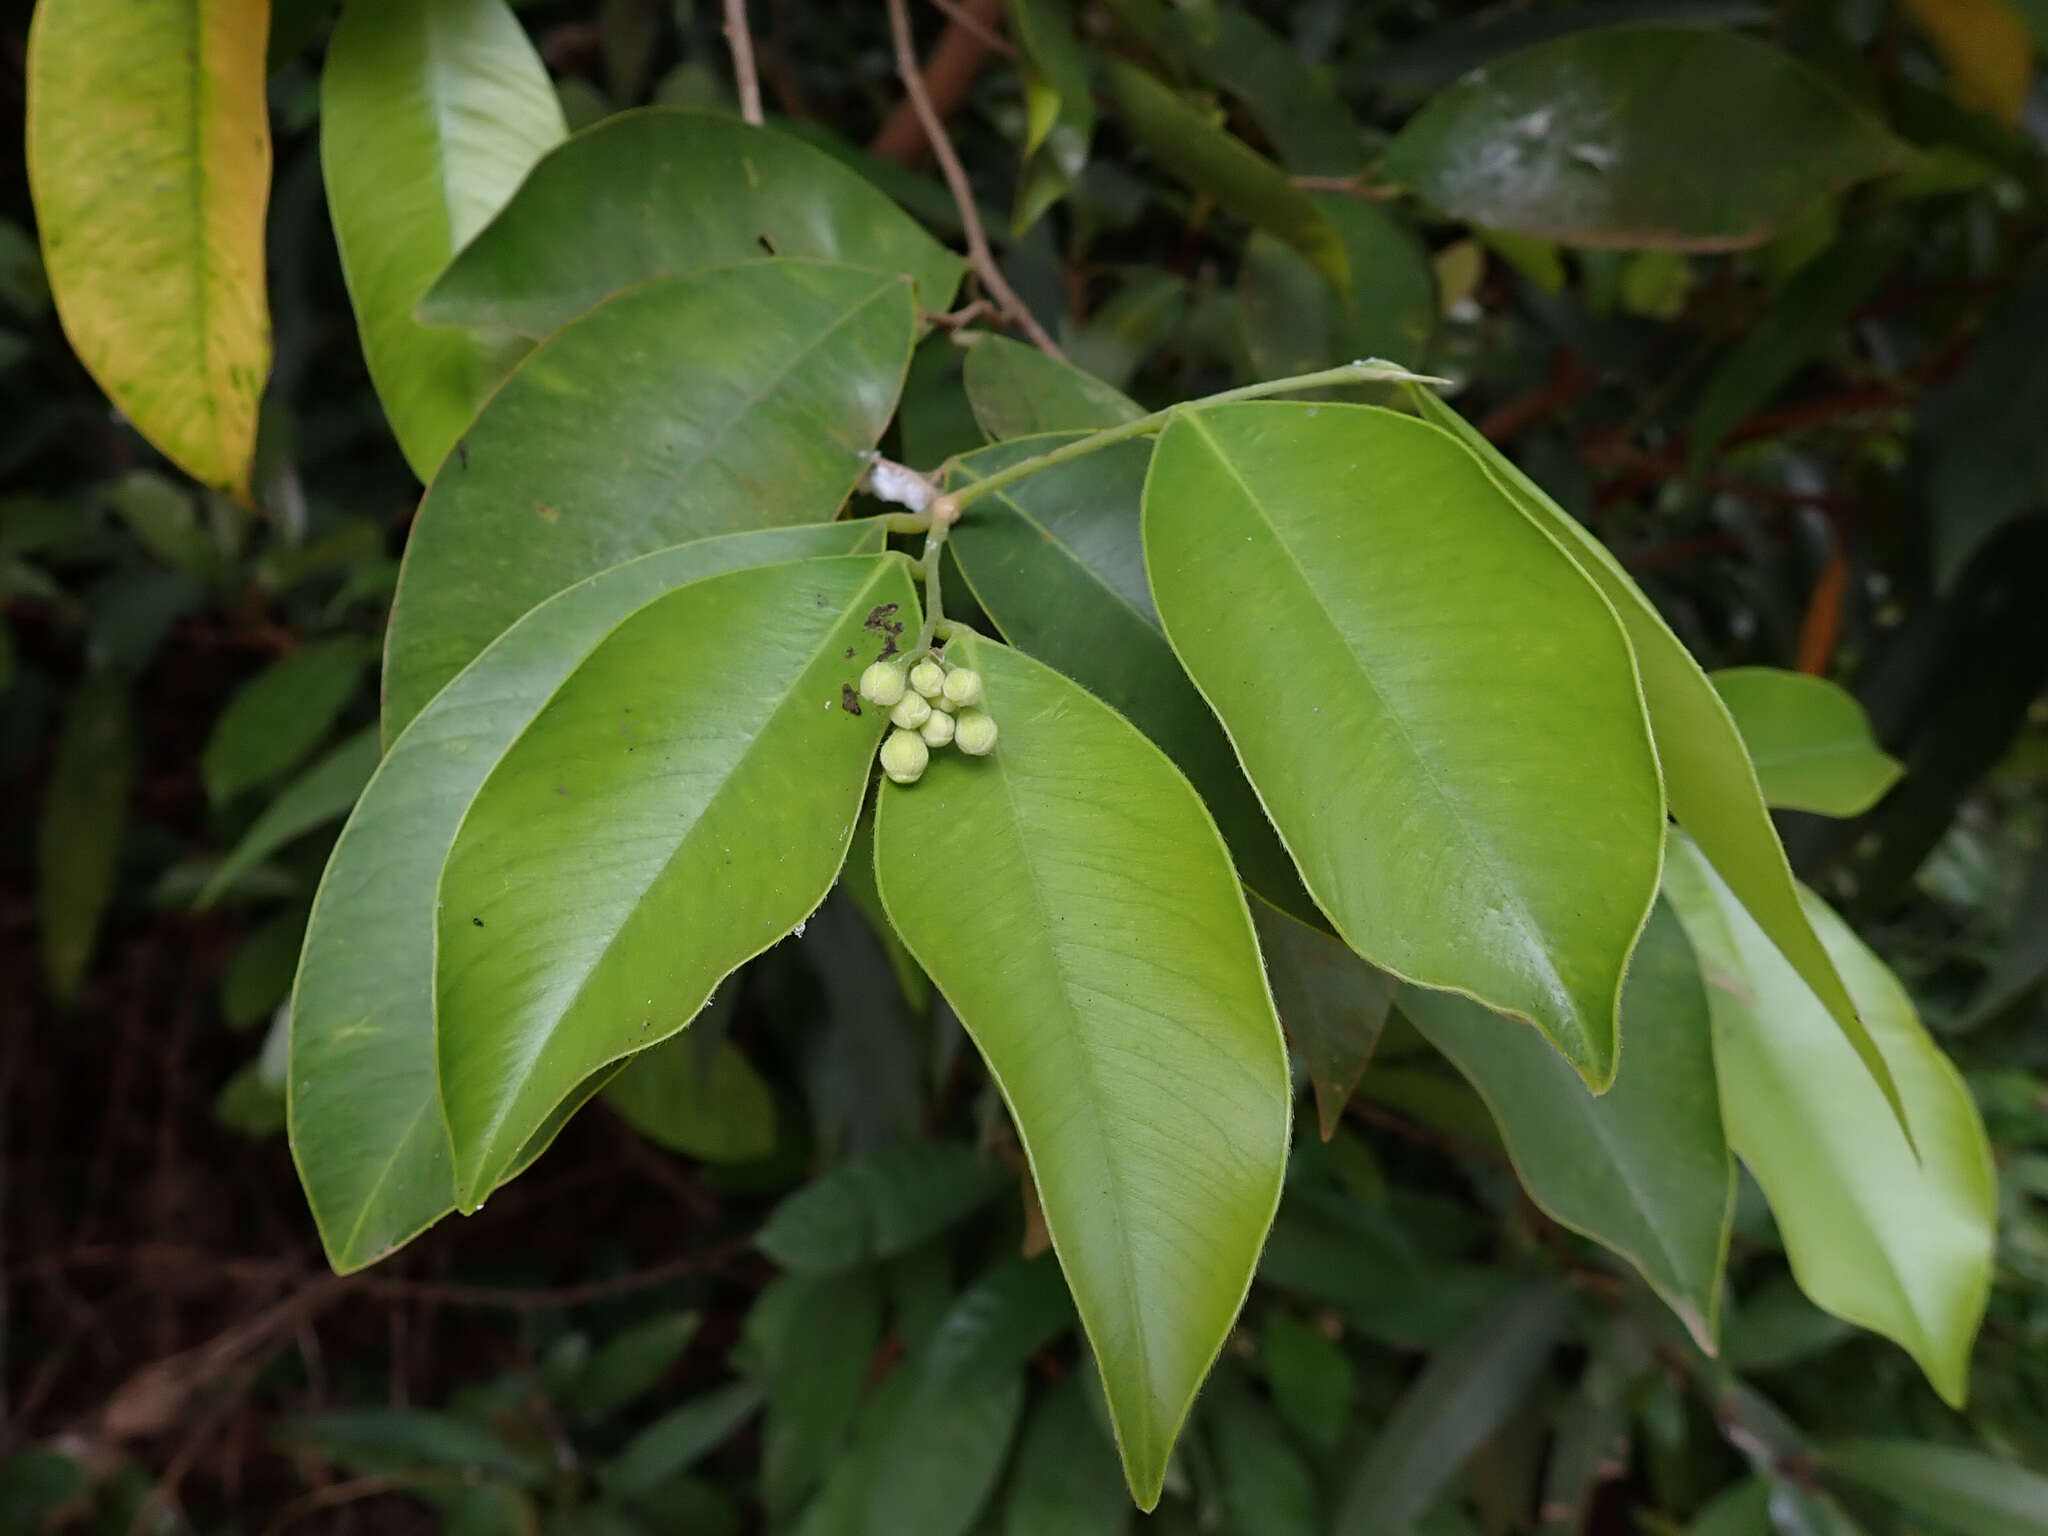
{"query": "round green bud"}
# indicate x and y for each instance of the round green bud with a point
(937, 730)
(904, 755)
(928, 677)
(963, 686)
(882, 683)
(974, 733)
(910, 712)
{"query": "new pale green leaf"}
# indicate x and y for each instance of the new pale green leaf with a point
(698, 405)
(1809, 739)
(1438, 710)
(1897, 1244)
(366, 1125)
(653, 193)
(431, 114)
(1072, 900)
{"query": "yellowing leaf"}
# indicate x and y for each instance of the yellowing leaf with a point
(149, 161)
(1987, 49)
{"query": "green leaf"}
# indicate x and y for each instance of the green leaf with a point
(323, 793)
(78, 839)
(701, 1098)
(816, 1336)
(1296, 322)
(1896, 1244)
(1416, 676)
(1708, 776)
(653, 193)
(1297, 108)
(1469, 1389)
(1809, 739)
(741, 398)
(149, 159)
(1959, 1489)
(587, 908)
(1332, 1004)
(1267, 1485)
(431, 114)
(373, 1440)
(1242, 181)
(1310, 1377)
(1622, 137)
(280, 715)
(160, 513)
(259, 978)
(366, 1120)
(1101, 932)
(1018, 391)
(1741, 1510)
(1059, 105)
(630, 1364)
(878, 1206)
(675, 1442)
(1057, 562)
(1643, 1168)
(1065, 1482)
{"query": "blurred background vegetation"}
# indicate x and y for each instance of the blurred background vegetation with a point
(1829, 452)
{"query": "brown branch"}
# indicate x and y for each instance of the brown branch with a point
(1822, 625)
(1567, 379)
(955, 61)
(741, 41)
(985, 268)
(967, 21)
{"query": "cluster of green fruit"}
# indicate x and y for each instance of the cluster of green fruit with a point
(932, 705)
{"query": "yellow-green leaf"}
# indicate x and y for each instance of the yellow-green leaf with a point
(1809, 739)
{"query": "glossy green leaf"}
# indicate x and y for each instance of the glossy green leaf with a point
(279, 716)
(701, 1098)
(586, 910)
(1809, 739)
(1332, 1004)
(1644, 1168)
(1469, 1389)
(1309, 1375)
(1708, 776)
(1065, 1481)
(1415, 676)
(1899, 1245)
(1057, 562)
(879, 1206)
(1242, 181)
(431, 114)
(674, 1442)
(1958, 1489)
(1059, 105)
(1102, 934)
(366, 1122)
(323, 793)
(653, 193)
(741, 398)
(1296, 322)
(78, 839)
(1018, 391)
(1621, 136)
(630, 1364)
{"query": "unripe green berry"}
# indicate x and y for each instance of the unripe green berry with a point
(910, 712)
(882, 683)
(974, 732)
(928, 677)
(938, 728)
(963, 686)
(904, 755)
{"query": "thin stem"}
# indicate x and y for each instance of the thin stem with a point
(1368, 371)
(978, 251)
(934, 607)
(745, 76)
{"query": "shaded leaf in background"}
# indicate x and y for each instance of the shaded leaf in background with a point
(78, 838)
(701, 1098)
(1242, 181)
(1810, 740)
(585, 910)
(1059, 106)
(1987, 49)
(259, 978)
(323, 793)
(653, 193)
(1296, 322)
(1018, 391)
(1332, 1004)
(372, 1440)
(431, 114)
(1959, 1489)
(149, 159)
(675, 1441)
(1469, 1388)
(1309, 1376)
(740, 398)
(630, 1364)
(279, 716)
(1065, 1480)
(1057, 562)
(160, 513)
(1708, 777)
(812, 1340)
(1507, 749)
(1122, 335)
(866, 1067)
(1268, 1487)
(1621, 136)
(878, 1206)
(1643, 1168)
(1297, 109)
(1128, 1028)
(1894, 1244)
(366, 1120)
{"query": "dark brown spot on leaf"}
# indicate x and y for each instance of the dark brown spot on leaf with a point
(848, 699)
